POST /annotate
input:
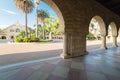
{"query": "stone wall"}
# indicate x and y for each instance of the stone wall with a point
(11, 31)
(75, 17)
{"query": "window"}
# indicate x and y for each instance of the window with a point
(17, 30)
(11, 30)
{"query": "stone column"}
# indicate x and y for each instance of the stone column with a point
(103, 46)
(65, 47)
(115, 41)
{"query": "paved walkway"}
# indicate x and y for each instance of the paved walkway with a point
(14, 53)
(14, 48)
(21, 52)
(97, 65)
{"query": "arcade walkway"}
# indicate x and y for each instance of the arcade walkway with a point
(97, 65)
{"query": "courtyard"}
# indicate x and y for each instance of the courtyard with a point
(12, 53)
(75, 58)
(41, 61)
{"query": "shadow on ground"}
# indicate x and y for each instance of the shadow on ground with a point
(29, 56)
(23, 57)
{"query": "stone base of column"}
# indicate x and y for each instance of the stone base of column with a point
(79, 55)
(115, 45)
(115, 41)
(64, 56)
(103, 48)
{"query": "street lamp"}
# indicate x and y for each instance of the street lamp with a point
(37, 3)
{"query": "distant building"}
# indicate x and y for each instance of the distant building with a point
(94, 29)
(11, 32)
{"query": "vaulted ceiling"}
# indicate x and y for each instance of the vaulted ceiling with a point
(113, 5)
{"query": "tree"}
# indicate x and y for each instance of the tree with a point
(30, 32)
(52, 26)
(22, 34)
(42, 14)
(90, 36)
(37, 3)
(39, 29)
(26, 6)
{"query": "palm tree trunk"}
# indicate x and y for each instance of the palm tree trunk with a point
(26, 30)
(43, 31)
(36, 20)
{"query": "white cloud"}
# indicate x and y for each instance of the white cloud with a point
(3, 26)
(9, 12)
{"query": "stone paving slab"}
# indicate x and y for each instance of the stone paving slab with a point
(21, 52)
(94, 66)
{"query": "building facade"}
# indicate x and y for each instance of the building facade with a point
(12, 31)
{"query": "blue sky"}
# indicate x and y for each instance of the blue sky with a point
(9, 14)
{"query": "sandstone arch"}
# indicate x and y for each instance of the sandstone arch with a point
(101, 28)
(114, 33)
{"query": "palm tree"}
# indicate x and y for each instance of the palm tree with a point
(37, 3)
(26, 6)
(42, 14)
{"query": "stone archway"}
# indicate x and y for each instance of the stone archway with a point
(62, 24)
(114, 33)
(71, 31)
(100, 30)
(12, 37)
(3, 37)
(57, 11)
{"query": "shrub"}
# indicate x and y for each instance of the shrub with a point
(99, 38)
(90, 36)
(19, 39)
(26, 39)
(34, 39)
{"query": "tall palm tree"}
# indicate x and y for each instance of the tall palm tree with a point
(42, 14)
(26, 6)
(37, 3)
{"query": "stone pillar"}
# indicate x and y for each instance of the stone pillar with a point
(115, 41)
(74, 44)
(65, 54)
(103, 46)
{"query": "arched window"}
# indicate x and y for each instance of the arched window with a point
(12, 37)
(17, 30)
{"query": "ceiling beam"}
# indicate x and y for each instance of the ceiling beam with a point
(113, 5)
(116, 7)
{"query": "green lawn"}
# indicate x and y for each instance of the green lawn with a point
(47, 40)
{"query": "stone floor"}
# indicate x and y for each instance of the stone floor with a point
(97, 65)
